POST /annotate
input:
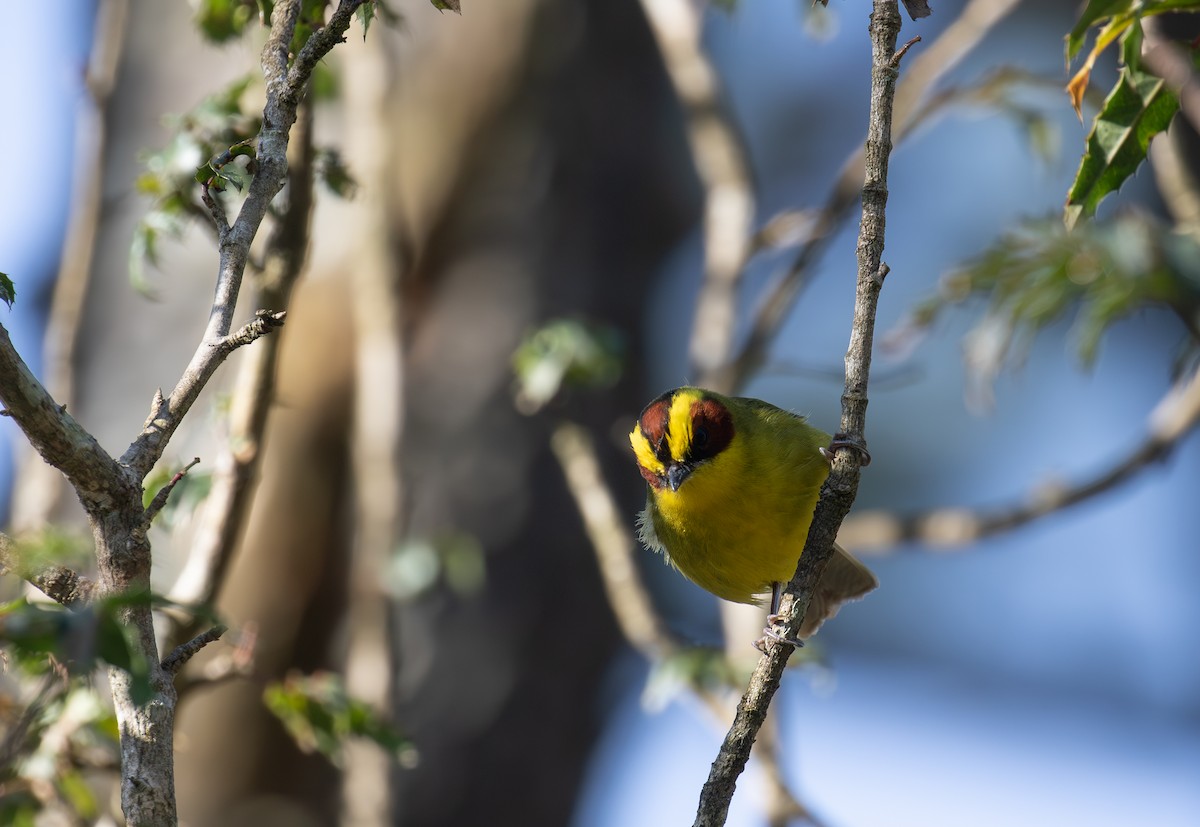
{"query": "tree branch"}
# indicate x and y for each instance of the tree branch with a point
(1174, 417)
(58, 438)
(839, 491)
(235, 469)
(284, 89)
(164, 493)
(955, 42)
(720, 160)
(184, 652)
(613, 543)
(59, 583)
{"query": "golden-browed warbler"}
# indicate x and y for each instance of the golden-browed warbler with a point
(732, 484)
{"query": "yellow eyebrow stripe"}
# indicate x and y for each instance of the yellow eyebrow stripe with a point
(679, 424)
(645, 452)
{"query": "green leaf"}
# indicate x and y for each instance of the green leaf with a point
(76, 792)
(8, 290)
(420, 563)
(365, 14)
(334, 173)
(187, 495)
(564, 353)
(1093, 13)
(223, 20)
(320, 717)
(1034, 276)
(447, 5)
(117, 645)
(1138, 108)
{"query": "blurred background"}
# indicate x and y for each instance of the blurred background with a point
(526, 167)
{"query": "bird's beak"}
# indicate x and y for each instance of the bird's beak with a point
(677, 472)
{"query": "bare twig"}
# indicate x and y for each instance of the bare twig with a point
(263, 323)
(164, 493)
(184, 652)
(955, 42)
(216, 211)
(59, 583)
(228, 500)
(380, 391)
(721, 164)
(1175, 416)
(609, 533)
(225, 666)
(58, 438)
(839, 490)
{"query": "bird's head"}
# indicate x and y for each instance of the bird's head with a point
(678, 433)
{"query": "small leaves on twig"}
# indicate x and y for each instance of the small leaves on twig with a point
(1139, 107)
(321, 717)
(8, 290)
(221, 128)
(565, 353)
(1036, 274)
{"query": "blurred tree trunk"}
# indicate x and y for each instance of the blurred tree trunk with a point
(527, 182)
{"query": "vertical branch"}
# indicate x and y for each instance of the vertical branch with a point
(721, 164)
(378, 429)
(235, 470)
(40, 487)
(840, 489)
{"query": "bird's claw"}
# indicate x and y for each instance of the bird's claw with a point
(843, 441)
(769, 632)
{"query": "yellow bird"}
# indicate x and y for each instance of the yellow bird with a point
(732, 484)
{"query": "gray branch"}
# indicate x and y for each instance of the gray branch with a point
(59, 583)
(184, 652)
(58, 438)
(839, 491)
(284, 89)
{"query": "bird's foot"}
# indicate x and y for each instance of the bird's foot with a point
(843, 441)
(769, 632)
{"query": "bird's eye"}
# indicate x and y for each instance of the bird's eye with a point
(699, 438)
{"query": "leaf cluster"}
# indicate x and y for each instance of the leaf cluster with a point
(421, 563)
(1138, 107)
(320, 716)
(223, 20)
(565, 353)
(1034, 275)
(67, 732)
(205, 143)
